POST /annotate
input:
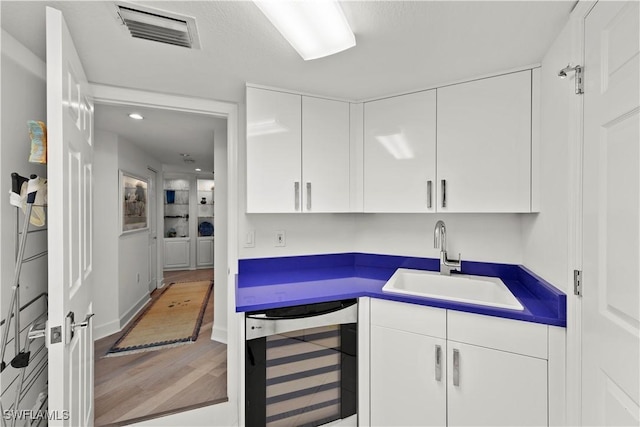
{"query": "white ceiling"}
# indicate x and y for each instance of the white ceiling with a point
(401, 46)
(165, 134)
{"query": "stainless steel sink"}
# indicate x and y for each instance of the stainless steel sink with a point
(481, 290)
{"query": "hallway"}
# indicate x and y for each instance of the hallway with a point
(146, 385)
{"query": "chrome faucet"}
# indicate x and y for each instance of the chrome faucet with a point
(440, 241)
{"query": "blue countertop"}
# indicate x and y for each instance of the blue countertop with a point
(264, 283)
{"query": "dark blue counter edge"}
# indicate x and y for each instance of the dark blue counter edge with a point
(535, 294)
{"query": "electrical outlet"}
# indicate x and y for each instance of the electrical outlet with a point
(281, 238)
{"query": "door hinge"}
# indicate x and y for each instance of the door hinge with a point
(579, 80)
(577, 282)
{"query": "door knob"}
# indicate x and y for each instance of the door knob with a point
(84, 323)
(72, 325)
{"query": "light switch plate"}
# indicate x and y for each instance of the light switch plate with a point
(281, 238)
(250, 239)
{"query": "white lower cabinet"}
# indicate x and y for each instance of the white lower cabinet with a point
(400, 362)
(495, 388)
(420, 376)
(176, 253)
(204, 252)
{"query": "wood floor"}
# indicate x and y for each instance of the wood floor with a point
(136, 387)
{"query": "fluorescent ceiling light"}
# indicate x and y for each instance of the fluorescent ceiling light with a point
(397, 145)
(198, 170)
(136, 116)
(315, 28)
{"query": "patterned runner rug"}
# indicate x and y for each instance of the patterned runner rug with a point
(174, 318)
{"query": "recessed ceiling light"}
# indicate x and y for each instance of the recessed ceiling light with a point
(198, 170)
(136, 116)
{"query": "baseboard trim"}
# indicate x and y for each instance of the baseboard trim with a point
(134, 310)
(105, 330)
(219, 334)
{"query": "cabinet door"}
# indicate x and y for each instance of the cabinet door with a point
(273, 151)
(405, 388)
(484, 145)
(400, 153)
(325, 155)
(176, 253)
(495, 388)
(204, 252)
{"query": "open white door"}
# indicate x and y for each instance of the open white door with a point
(611, 216)
(70, 146)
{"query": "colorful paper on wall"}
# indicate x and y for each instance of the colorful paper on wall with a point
(38, 134)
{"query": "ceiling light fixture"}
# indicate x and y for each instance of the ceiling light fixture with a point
(315, 29)
(198, 170)
(136, 116)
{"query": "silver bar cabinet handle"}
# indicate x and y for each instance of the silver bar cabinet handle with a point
(438, 363)
(308, 196)
(429, 191)
(444, 192)
(456, 367)
(296, 191)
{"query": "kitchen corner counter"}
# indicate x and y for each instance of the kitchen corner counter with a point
(264, 283)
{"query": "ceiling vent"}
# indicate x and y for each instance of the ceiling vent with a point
(159, 26)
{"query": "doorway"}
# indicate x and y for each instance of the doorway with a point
(131, 388)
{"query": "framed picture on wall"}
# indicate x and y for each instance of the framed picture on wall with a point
(133, 199)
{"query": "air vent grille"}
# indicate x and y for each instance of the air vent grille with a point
(159, 27)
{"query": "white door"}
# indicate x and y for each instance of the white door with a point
(611, 217)
(400, 153)
(70, 146)
(325, 155)
(484, 145)
(152, 210)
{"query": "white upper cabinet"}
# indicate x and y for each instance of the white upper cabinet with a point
(325, 155)
(400, 153)
(484, 145)
(298, 153)
(460, 148)
(274, 151)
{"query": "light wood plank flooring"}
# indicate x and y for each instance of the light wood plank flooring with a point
(136, 387)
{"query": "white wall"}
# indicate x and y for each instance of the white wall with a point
(221, 287)
(306, 234)
(121, 283)
(477, 237)
(23, 91)
(133, 248)
(105, 300)
(545, 235)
